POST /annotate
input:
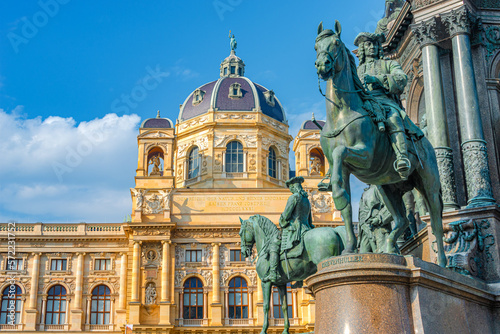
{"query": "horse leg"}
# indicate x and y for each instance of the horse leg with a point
(266, 291)
(284, 307)
(393, 200)
(430, 189)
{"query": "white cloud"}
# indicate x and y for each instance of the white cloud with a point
(54, 169)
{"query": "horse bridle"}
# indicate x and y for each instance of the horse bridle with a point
(334, 61)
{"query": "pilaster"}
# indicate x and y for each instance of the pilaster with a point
(216, 306)
(165, 285)
(32, 311)
(77, 311)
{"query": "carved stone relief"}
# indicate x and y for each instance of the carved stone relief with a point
(151, 254)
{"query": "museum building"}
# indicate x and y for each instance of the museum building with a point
(175, 265)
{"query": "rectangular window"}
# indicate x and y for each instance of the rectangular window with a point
(193, 255)
(14, 264)
(235, 255)
(102, 264)
(58, 264)
(233, 69)
(225, 70)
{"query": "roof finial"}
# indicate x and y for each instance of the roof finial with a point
(158, 114)
(232, 43)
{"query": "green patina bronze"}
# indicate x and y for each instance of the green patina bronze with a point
(353, 141)
(301, 247)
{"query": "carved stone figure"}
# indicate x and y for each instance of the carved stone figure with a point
(155, 161)
(354, 144)
(374, 222)
(392, 10)
(151, 294)
(139, 197)
(316, 165)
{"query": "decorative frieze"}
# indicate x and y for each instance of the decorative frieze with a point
(492, 40)
(444, 157)
(235, 116)
(273, 123)
(477, 176)
(196, 121)
(152, 203)
(467, 246)
(201, 142)
(417, 4)
(321, 202)
(222, 140)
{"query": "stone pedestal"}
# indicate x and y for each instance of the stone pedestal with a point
(76, 320)
(31, 316)
(391, 294)
(134, 313)
(217, 314)
(165, 313)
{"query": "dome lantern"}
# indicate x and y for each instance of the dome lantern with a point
(232, 66)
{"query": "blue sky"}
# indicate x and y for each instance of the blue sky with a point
(67, 67)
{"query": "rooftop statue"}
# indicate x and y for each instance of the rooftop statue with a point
(354, 141)
(232, 42)
(292, 253)
(392, 10)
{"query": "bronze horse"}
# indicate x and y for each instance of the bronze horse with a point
(353, 144)
(319, 244)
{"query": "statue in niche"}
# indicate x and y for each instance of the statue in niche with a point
(151, 294)
(155, 161)
(316, 165)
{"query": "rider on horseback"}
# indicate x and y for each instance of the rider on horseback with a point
(294, 221)
(385, 80)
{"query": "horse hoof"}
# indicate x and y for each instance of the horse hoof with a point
(348, 251)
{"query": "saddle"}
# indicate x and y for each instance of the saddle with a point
(294, 252)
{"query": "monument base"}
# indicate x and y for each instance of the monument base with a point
(391, 294)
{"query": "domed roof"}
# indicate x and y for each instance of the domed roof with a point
(309, 125)
(232, 92)
(216, 95)
(157, 123)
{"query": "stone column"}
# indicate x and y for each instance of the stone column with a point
(135, 304)
(426, 33)
(477, 175)
(260, 302)
(135, 271)
(123, 282)
(77, 311)
(31, 311)
(165, 284)
(216, 302)
(165, 288)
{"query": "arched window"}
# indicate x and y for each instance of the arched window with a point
(272, 163)
(193, 299)
(277, 311)
(55, 312)
(193, 163)
(234, 157)
(100, 310)
(11, 301)
(238, 298)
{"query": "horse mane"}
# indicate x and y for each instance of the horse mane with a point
(266, 225)
(371, 105)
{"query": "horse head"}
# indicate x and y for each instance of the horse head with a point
(329, 47)
(247, 237)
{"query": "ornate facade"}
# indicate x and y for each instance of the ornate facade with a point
(174, 265)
